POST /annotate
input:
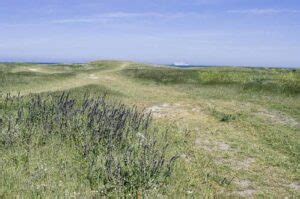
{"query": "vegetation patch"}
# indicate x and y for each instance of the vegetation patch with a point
(11, 80)
(235, 129)
(224, 117)
(117, 151)
(266, 80)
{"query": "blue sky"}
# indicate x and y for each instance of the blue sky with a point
(206, 32)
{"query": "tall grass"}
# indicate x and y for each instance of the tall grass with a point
(118, 148)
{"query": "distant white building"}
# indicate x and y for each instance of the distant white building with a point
(180, 64)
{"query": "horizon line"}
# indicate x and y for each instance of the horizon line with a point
(151, 63)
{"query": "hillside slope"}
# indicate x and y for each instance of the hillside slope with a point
(236, 130)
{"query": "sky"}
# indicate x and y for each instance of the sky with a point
(198, 32)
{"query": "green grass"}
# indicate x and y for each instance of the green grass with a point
(273, 80)
(114, 148)
(15, 81)
(236, 130)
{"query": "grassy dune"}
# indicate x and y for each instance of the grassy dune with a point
(235, 131)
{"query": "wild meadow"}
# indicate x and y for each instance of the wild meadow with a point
(123, 129)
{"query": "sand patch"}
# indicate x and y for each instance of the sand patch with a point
(244, 184)
(246, 189)
(33, 69)
(40, 69)
(276, 117)
(167, 110)
(248, 193)
(93, 76)
(212, 146)
(295, 186)
(236, 164)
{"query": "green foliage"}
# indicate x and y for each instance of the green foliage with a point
(115, 147)
(14, 80)
(266, 80)
(224, 117)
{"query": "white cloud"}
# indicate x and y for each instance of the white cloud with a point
(79, 20)
(268, 11)
(108, 17)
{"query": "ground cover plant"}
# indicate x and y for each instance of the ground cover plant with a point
(116, 149)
